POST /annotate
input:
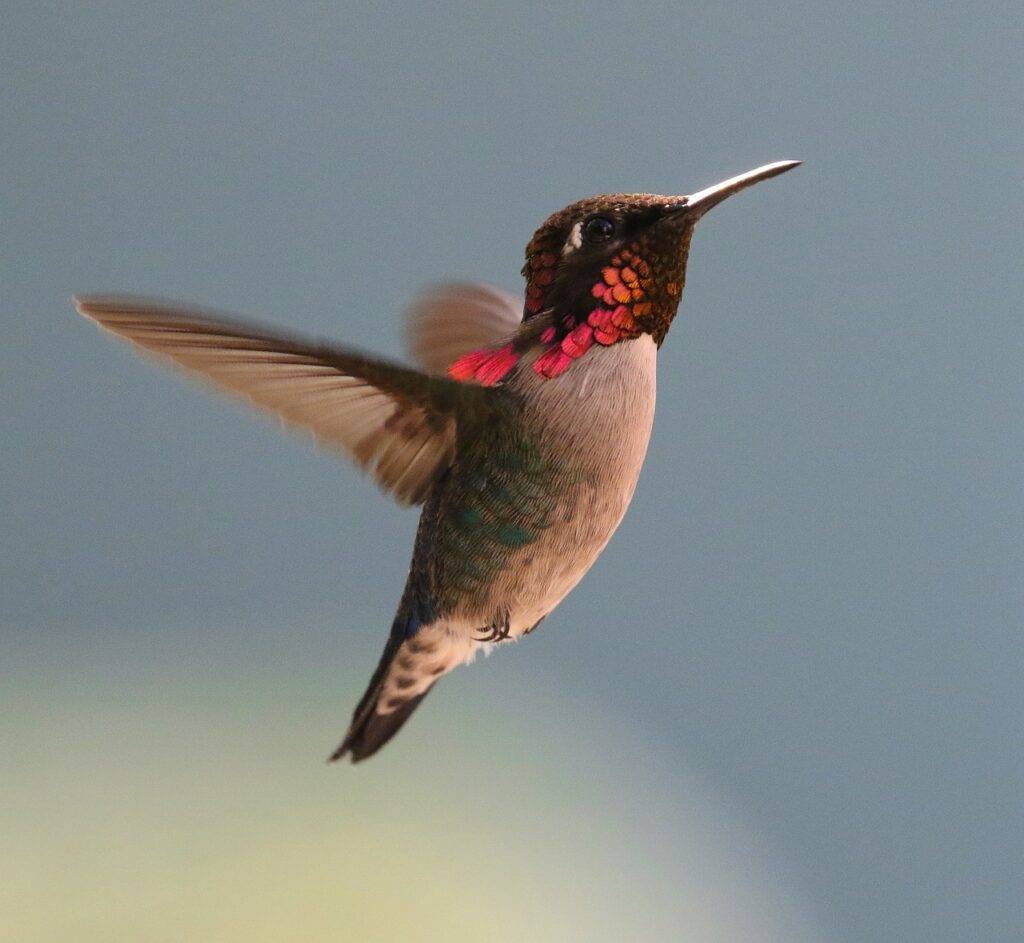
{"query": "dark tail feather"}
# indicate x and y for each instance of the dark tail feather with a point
(369, 731)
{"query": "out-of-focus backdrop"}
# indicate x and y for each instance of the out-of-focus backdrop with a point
(785, 705)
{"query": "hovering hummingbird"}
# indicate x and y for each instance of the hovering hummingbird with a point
(522, 434)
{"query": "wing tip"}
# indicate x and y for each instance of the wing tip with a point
(106, 310)
(101, 310)
(83, 305)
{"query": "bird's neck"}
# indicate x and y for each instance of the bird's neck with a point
(558, 348)
(609, 313)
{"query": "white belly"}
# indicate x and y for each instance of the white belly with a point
(596, 420)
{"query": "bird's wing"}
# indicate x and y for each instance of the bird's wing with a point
(448, 321)
(397, 423)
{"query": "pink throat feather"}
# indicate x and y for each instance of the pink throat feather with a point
(620, 301)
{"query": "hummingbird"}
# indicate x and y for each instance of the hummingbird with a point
(521, 432)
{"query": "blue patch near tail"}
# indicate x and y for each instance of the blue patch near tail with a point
(407, 624)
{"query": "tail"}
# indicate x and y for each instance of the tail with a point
(420, 649)
(383, 707)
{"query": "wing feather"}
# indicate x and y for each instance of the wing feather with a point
(397, 423)
(451, 320)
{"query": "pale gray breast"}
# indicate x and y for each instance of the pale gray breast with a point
(593, 425)
(596, 418)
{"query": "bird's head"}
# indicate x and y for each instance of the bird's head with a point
(603, 270)
(617, 263)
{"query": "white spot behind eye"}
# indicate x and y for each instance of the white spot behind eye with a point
(575, 239)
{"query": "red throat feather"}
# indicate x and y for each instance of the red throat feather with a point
(620, 297)
(486, 367)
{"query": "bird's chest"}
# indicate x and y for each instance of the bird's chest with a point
(593, 423)
(528, 516)
(594, 431)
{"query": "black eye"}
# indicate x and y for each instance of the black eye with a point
(598, 229)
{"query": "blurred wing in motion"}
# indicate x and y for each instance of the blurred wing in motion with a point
(451, 320)
(395, 422)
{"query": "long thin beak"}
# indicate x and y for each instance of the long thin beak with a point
(697, 204)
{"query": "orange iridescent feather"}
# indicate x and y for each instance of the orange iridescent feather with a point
(620, 297)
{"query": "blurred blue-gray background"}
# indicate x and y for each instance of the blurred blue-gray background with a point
(785, 705)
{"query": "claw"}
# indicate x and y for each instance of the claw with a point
(498, 631)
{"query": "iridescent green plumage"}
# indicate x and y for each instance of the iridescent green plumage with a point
(496, 499)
